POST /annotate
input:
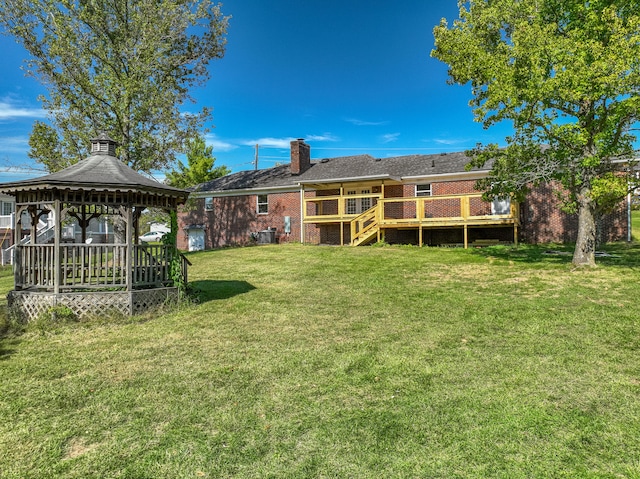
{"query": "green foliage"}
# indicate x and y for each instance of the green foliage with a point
(175, 266)
(607, 190)
(199, 167)
(380, 244)
(51, 319)
(122, 66)
(566, 74)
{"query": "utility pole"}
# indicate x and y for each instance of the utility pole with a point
(255, 162)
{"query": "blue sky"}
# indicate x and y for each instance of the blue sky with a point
(349, 76)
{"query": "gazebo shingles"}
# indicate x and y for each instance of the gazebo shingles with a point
(98, 171)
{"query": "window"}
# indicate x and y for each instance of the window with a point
(7, 208)
(501, 205)
(351, 203)
(208, 204)
(355, 206)
(423, 190)
(263, 204)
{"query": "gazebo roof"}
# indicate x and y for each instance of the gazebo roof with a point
(100, 171)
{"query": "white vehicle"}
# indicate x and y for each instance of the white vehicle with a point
(152, 236)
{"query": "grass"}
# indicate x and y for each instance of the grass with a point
(635, 224)
(343, 362)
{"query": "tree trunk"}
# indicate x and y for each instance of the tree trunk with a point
(585, 252)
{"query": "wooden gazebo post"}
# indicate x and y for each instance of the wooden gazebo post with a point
(57, 253)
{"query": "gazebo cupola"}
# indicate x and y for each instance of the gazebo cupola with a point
(91, 276)
(103, 145)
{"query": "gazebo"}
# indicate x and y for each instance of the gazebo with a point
(91, 277)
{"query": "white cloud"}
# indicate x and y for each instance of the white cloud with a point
(9, 111)
(282, 143)
(359, 122)
(218, 144)
(14, 144)
(325, 137)
(449, 141)
(269, 142)
(389, 137)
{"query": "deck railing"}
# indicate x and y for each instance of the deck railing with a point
(445, 210)
(95, 266)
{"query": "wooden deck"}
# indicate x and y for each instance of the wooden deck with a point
(419, 213)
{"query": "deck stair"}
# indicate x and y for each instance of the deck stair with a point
(365, 227)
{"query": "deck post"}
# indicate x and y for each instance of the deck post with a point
(466, 236)
(420, 235)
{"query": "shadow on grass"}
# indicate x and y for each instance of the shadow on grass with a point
(613, 254)
(550, 254)
(6, 348)
(208, 290)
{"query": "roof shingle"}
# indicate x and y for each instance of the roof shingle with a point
(345, 167)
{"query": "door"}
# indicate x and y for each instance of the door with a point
(196, 239)
(355, 206)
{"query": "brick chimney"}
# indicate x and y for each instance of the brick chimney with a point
(300, 156)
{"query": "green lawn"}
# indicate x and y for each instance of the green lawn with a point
(369, 362)
(635, 225)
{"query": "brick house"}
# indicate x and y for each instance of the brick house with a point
(416, 199)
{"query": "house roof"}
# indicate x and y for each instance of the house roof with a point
(276, 177)
(342, 169)
(396, 168)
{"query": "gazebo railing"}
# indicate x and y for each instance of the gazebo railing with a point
(94, 266)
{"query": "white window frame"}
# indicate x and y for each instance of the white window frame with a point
(7, 208)
(208, 203)
(424, 189)
(262, 207)
(501, 205)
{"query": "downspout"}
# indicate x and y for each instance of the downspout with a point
(302, 214)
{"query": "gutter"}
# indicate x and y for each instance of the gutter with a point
(466, 175)
(347, 179)
(246, 191)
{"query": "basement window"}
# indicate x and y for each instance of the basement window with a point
(423, 190)
(208, 204)
(263, 204)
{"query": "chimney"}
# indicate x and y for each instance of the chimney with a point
(300, 156)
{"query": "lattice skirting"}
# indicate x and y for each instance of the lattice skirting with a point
(95, 303)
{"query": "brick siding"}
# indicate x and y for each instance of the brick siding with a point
(544, 222)
(234, 218)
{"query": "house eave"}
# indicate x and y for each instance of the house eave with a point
(464, 175)
(352, 179)
(246, 191)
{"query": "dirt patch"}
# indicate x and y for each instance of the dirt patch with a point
(78, 446)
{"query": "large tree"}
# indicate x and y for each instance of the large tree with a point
(566, 73)
(122, 66)
(200, 166)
